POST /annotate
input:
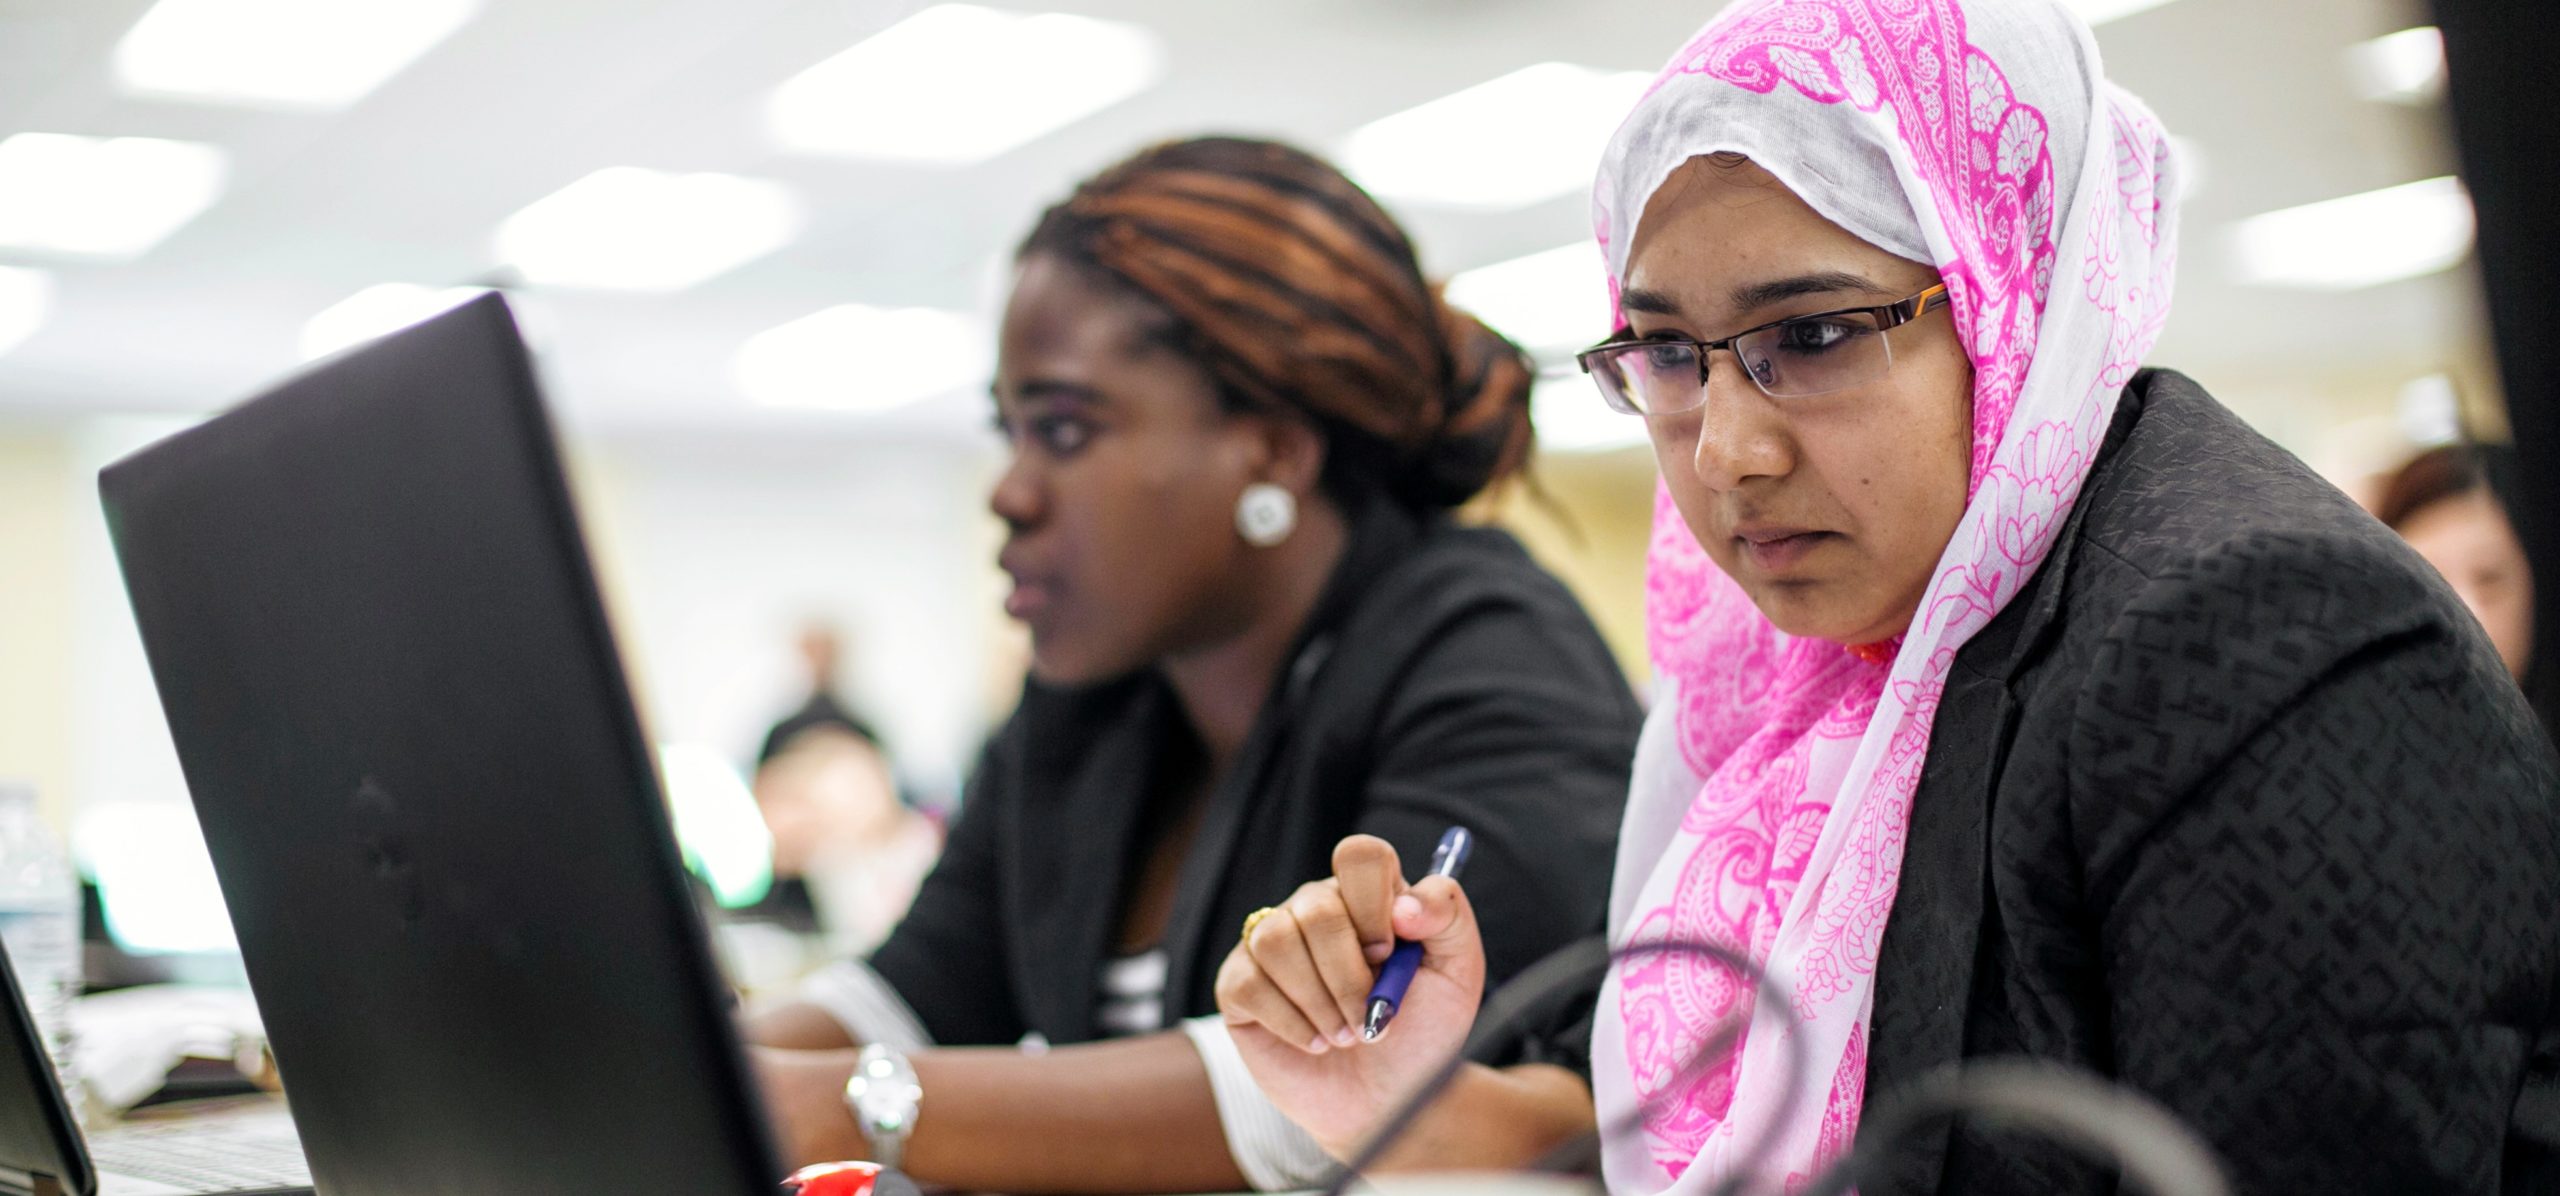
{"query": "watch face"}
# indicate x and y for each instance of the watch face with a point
(884, 1091)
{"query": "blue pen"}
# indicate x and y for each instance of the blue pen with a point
(1396, 975)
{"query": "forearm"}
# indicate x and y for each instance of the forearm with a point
(1130, 1116)
(1491, 1119)
(797, 1026)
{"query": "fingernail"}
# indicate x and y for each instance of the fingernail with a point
(1408, 906)
(1318, 1046)
(1345, 1038)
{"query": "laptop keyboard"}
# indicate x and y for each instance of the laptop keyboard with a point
(205, 1156)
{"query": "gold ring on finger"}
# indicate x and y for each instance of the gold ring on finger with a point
(1252, 920)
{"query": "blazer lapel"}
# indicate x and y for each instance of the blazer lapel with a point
(1383, 535)
(1926, 969)
(1075, 849)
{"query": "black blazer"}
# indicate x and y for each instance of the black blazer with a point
(1444, 679)
(2234, 804)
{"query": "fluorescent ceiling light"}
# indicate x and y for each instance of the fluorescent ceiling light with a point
(2403, 68)
(1571, 417)
(377, 310)
(857, 358)
(1557, 298)
(113, 197)
(1529, 136)
(2430, 410)
(2099, 12)
(625, 228)
(2358, 240)
(286, 53)
(26, 298)
(957, 83)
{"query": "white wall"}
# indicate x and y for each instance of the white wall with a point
(120, 744)
(716, 552)
(712, 554)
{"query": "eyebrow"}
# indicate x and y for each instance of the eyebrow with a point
(1650, 302)
(1051, 390)
(1751, 296)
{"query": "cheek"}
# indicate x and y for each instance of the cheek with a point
(1899, 473)
(1151, 525)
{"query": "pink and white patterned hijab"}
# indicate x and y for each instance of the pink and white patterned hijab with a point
(1773, 784)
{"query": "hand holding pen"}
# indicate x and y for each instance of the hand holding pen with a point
(1308, 976)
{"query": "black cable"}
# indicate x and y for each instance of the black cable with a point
(2111, 1123)
(1544, 985)
(2105, 1121)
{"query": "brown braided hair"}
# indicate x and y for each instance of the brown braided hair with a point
(1300, 294)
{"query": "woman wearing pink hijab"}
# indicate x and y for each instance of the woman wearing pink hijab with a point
(2011, 700)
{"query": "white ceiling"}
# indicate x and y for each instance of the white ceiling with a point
(408, 184)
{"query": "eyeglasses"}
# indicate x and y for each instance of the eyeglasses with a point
(1787, 359)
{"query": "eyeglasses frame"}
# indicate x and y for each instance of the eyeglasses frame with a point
(1888, 316)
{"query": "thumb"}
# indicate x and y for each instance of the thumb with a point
(1435, 913)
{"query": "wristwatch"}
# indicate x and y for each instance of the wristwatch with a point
(883, 1094)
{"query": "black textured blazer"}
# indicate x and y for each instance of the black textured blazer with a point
(1445, 678)
(2235, 805)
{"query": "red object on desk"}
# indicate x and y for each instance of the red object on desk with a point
(834, 1179)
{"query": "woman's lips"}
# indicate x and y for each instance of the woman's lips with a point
(1030, 599)
(1775, 550)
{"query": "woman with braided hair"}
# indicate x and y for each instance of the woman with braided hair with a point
(1239, 418)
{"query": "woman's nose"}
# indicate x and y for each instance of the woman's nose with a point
(1016, 498)
(1741, 433)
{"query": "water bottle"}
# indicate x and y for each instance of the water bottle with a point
(40, 924)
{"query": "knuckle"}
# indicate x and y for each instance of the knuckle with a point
(1319, 913)
(1272, 934)
(1357, 851)
(1235, 978)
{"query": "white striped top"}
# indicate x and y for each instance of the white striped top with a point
(1131, 1000)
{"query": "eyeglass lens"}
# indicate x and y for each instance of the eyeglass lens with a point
(1790, 360)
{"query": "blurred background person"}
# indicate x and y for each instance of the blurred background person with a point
(1239, 418)
(821, 648)
(848, 848)
(847, 852)
(2441, 502)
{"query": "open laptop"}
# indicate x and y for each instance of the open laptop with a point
(378, 640)
(42, 1152)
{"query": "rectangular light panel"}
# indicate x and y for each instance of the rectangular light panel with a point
(113, 197)
(626, 228)
(2357, 240)
(2402, 68)
(957, 83)
(1554, 299)
(857, 358)
(280, 53)
(1527, 137)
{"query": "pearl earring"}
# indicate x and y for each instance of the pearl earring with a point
(1266, 514)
